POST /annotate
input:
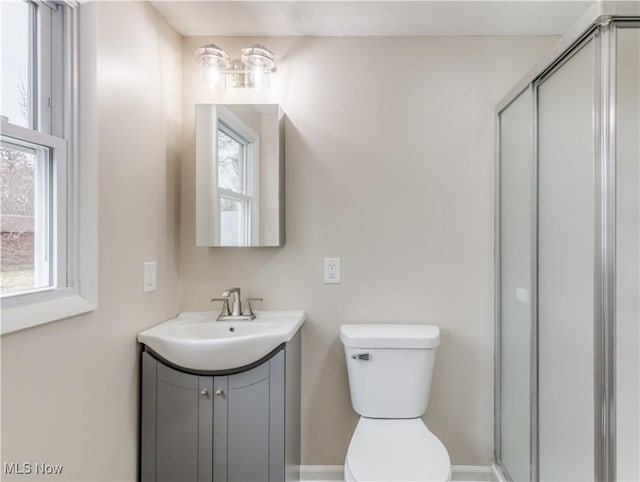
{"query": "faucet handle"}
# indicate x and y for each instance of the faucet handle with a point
(247, 306)
(231, 291)
(225, 305)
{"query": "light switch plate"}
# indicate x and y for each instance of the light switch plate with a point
(150, 272)
(332, 270)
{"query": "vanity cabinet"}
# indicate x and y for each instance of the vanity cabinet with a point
(239, 425)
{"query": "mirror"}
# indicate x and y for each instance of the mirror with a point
(239, 175)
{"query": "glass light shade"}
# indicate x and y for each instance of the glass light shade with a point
(212, 56)
(258, 57)
(213, 60)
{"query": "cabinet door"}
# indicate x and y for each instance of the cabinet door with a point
(248, 425)
(247, 445)
(184, 411)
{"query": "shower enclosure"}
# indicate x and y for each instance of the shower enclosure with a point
(567, 405)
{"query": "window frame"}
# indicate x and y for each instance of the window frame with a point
(234, 127)
(55, 215)
(54, 118)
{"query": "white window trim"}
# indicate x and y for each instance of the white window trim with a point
(80, 294)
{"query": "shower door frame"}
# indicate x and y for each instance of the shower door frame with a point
(599, 25)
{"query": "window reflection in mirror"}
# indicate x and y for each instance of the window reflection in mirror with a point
(239, 174)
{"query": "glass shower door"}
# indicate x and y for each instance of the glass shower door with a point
(566, 233)
(515, 315)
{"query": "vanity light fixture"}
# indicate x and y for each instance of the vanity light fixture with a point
(253, 69)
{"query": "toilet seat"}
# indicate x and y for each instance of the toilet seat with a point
(396, 450)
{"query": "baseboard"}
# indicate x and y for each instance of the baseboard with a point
(309, 473)
(474, 473)
(330, 473)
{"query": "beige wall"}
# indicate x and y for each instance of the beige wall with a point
(70, 388)
(390, 167)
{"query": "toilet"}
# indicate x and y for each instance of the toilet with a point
(390, 368)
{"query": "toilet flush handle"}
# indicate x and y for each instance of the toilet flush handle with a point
(360, 356)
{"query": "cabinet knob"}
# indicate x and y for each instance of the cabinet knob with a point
(219, 392)
(204, 392)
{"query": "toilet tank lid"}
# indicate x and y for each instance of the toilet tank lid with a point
(390, 336)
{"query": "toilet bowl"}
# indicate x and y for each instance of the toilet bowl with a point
(390, 368)
(395, 450)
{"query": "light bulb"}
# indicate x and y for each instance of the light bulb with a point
(212, 76)
(257, 75)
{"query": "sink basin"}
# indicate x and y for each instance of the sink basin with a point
(196, 341)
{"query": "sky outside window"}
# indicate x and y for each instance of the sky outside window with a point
(14, 37)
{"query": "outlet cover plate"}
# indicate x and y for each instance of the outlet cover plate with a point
(332, 270)
(150, 273)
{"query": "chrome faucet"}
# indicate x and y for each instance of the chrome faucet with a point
(235, 305)
(232, 306)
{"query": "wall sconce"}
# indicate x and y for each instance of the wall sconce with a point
(253, 69)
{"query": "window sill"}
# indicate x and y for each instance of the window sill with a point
(26, 316)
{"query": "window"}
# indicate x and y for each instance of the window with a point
(233, 188)
(17, 22)
(26, 219)
(237, 191)
(39, 279)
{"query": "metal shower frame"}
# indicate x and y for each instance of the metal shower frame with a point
(599, 24)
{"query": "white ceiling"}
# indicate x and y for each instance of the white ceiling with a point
(371, 18)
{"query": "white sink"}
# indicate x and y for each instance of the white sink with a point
(195, 340)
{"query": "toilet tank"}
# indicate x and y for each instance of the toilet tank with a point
(389, 368)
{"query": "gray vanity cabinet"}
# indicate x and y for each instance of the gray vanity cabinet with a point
(221, 428)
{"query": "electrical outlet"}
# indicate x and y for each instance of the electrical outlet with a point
(332, 270)
(150, 270)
